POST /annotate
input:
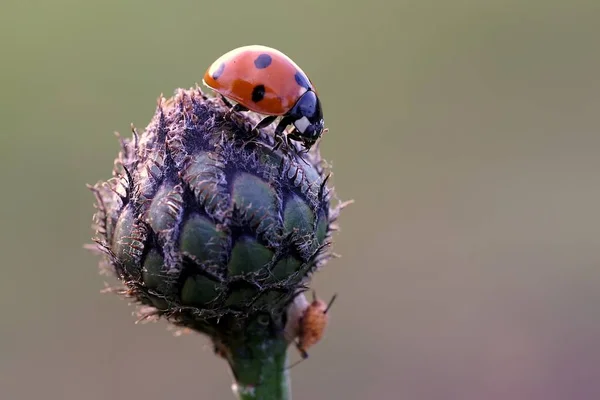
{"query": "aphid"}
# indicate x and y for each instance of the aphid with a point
(312, 324)
(266, 81)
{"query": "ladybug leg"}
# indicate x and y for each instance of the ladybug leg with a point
(278, 142)
(255, 133)
(281, 139)
(224, 100)
(307, 145)
(265, 122)
(292, 136)
(300, 153)
(279, 135)
(235, 108)
(285, 121)
(289, 144)
(238, 107)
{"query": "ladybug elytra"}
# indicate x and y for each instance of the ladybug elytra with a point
(266, 81)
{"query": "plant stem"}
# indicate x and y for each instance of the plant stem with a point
(258, 363)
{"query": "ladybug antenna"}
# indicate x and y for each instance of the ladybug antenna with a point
(314, 293)
(330, 303)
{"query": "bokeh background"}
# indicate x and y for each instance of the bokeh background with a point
(468, 132)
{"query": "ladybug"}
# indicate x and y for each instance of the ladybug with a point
(266, 81)
(312, 324)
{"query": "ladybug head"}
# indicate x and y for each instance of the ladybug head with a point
(307, 117)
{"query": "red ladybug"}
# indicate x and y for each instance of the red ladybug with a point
(266, 81)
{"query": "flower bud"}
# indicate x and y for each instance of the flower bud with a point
(208, 226)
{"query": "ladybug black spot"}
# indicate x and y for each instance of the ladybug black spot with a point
(302, 80)
(258, 93)
(262, 61)
(218, 72)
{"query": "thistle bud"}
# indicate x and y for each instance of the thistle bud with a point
(210, 228)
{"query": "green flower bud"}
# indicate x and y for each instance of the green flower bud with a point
(207, 225)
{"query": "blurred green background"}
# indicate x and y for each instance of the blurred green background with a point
(468, 132)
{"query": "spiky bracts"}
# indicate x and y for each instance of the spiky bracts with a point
(206, 225)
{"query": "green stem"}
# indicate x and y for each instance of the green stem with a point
(258, 363)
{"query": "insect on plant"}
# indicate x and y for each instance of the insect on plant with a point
(266, 81)
(312, 325)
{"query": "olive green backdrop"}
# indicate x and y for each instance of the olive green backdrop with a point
(468, 132)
